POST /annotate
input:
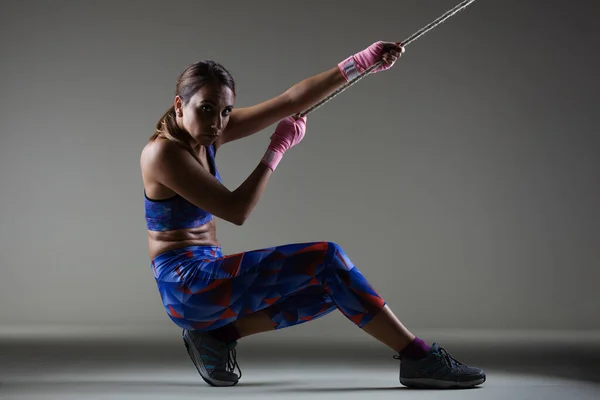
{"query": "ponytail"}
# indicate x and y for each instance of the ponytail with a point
(167, 127)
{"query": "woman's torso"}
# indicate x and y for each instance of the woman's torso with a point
(160, 241)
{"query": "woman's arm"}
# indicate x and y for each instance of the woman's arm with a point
(174, 167)
(249, 120)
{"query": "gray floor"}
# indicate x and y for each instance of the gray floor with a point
(95, 370)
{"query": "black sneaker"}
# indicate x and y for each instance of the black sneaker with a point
(438, 370)
(214, 359)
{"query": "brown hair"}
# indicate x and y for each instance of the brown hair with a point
(188, 83)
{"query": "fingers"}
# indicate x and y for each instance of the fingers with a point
(301, 120)
(297, 117)
(392, 52)
(390, 57)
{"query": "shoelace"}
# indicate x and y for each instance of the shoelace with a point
(232, 362)
(448, 359)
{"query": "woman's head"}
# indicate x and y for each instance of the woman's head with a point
(204, 97)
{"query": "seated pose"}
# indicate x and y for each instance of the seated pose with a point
(218, 299)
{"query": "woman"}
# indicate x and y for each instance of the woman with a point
(218, 299)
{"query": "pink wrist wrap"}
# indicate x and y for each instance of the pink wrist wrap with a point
(289, 132)
(357, 63)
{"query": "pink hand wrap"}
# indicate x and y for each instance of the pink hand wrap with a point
(357, 63)
(289, 132)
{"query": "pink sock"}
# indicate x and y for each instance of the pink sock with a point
(416, 349)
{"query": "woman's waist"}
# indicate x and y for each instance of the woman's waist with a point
(162, 250)
(186, 254)
(163, 242)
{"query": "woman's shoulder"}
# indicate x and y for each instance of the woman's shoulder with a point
(166, 157)
(155, 153)
(160, 149)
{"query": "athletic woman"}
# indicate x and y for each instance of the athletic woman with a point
(218, 298)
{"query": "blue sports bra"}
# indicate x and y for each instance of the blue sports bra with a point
(176, 212)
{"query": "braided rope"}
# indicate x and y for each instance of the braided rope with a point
(404, 43)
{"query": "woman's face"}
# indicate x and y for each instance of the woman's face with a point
(206, 115)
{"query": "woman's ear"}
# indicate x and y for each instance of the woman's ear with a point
(178, 104)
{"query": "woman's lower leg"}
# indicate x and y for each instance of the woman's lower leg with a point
(387, 328)
(254, 323)
(384, 327)
(251, 324)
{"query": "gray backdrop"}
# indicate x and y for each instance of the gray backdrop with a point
(464, 182)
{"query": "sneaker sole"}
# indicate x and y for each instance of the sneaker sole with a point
(422, 383)
(197, 361)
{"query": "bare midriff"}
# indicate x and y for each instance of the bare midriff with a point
(160, 242)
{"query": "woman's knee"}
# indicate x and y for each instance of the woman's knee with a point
(336, 257)
(333, 247)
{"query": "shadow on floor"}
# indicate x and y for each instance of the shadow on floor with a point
(98, 384)
(32, 358)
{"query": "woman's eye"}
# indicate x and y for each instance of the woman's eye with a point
(206, 108)
(226, 112)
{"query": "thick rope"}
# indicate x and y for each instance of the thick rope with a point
(404, 43)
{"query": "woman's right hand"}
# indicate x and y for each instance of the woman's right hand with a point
(388, 52)
(288, 133)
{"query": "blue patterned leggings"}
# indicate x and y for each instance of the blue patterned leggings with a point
(202, 289)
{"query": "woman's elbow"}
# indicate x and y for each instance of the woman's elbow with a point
(238, 218)
(239, 221)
